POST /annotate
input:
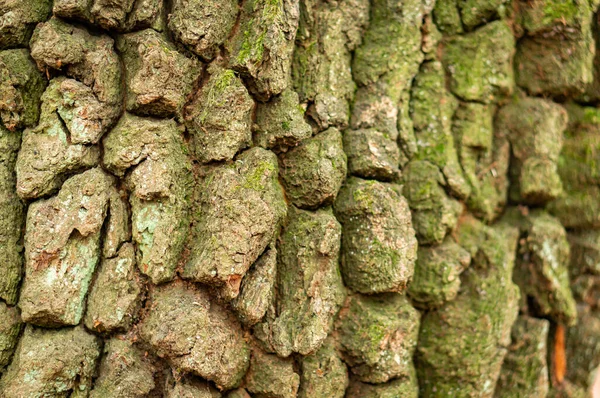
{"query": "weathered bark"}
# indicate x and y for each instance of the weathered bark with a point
(299, 198)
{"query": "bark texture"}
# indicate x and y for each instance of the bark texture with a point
(299, 198)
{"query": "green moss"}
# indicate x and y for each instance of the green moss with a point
(52, 362)
(477, 12)
(375, 333)
(542, 265)
(313, 172)
(167, 214)
(12, 218)
(271, 376)
(559, 33)
(280, 123)
(525, 370)
(10, 329)
(21, 87)
(578, 208)
(437, 274)
(406, 387)
(560, 10)
(479, 63)
(255, 179)
(76, 255)
(309, 284)
(379, 247)
(361, 196)
(372, 153)
(391, 46)
(583, 349)
(534, 128)
(184, 149)
(265, 27)
(484, 157)
(253, 47)
(323, 373)
(462, 344)
(366, 329)
(434, 213)
(385, 255)
(217, 86)
(229, 203)
(220, 117)
(250, 47)
(447, 17)
(591, 115)
(432, 107)
(224, 80)
(20, 18)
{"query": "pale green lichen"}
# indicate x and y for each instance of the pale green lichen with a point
(62, 249)
(51, 362)
(115, 297)
(151, 152)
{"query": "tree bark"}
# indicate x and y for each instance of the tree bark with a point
(299, 198)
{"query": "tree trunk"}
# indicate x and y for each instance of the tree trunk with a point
(299, 198)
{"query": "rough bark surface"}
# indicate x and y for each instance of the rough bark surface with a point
(299, 198)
